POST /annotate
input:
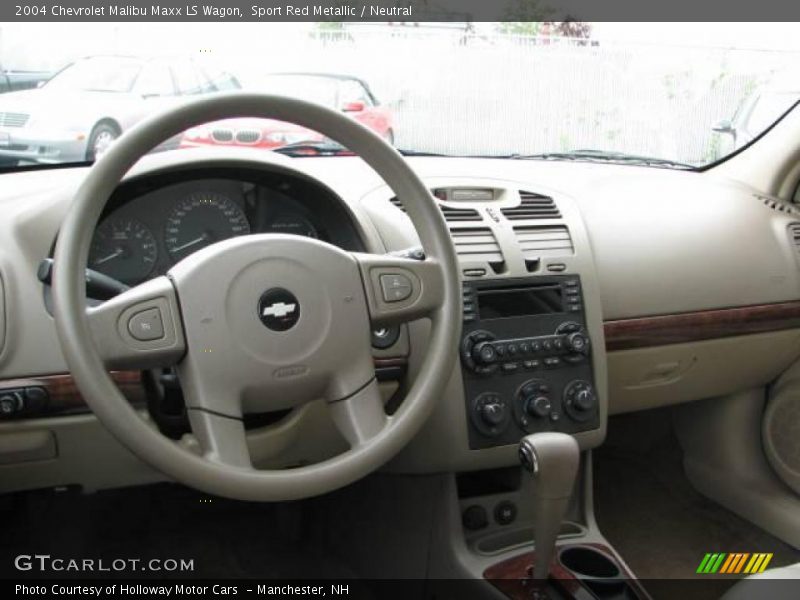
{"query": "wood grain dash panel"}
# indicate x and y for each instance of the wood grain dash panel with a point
(680, 328)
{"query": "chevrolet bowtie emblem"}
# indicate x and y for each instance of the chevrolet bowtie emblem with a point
(279, 309)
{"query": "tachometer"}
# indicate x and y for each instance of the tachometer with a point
(124, 249)
(202, 219)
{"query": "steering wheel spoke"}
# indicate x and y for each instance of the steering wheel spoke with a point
(400, 289)
(360, 416)
(221, 437)
(141, 328)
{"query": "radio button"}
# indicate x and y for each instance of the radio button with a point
(500, 349)
(552, 361)
(512, 349)
(510, 367)
(531, 364)
(547, 345)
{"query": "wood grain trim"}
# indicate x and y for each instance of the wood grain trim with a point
(64, 395)
(512, 576)
(702, 325)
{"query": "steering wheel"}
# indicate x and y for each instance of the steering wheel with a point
(261, 322)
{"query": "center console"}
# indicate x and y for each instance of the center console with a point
(526, 357)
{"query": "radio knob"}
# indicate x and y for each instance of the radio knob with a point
(493, 413)
(578, 342)
(484, 353)
(538, 406)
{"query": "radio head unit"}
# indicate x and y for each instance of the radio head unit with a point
(527, 362)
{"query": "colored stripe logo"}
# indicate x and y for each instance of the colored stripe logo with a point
(735, 562)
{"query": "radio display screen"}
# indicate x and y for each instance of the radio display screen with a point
(519, 302)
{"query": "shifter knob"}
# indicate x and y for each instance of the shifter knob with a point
(552, 458)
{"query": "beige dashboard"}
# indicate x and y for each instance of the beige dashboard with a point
(691, 288)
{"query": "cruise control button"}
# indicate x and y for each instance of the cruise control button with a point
(147, 325)
(395, 287)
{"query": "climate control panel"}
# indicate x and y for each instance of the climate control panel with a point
(526, 360)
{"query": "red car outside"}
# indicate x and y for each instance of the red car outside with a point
(342, 92)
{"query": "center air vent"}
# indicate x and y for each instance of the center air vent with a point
(538, 242)
(478, 244)
(451, 214)
(532, 206)
(459, 214)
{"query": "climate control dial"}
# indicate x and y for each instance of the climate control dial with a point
(534, 404)
(490, 413)
(580, 400)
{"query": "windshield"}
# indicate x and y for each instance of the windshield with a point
(97, 75)
(658, 95)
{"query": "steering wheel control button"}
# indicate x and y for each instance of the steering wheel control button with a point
(147, 325)
(278, 309)
(395, 287)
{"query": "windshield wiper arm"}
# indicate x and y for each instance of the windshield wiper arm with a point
(605, 156)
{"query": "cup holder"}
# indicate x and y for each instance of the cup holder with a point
(588, 563)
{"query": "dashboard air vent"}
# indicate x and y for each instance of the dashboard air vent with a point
(532, 206)
(538, 242)
(478, 244)
(451, 214)
(459, 214)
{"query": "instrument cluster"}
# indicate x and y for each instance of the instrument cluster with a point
(145, 235)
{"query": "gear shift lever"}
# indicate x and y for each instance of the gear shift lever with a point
(552, 459)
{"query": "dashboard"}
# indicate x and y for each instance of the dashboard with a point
(647, 255)
(151, 225)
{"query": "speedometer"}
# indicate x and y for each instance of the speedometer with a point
(202, 219)
(123, 249)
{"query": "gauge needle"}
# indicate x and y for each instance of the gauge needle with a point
(112, 256)
(202, 238)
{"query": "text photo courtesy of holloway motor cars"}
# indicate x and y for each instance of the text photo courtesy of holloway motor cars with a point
(419, 299)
